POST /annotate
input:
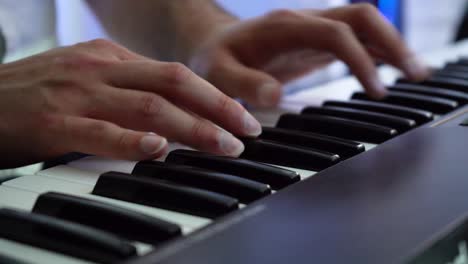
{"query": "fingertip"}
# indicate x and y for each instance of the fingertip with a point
(251, 126)
(416, 69)
(269, 94)
(153, 145)
(229, 145)
(376, 89)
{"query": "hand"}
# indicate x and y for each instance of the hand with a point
(100, 98)
(252, 59)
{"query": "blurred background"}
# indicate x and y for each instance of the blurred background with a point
(32, 26)
(425, 24)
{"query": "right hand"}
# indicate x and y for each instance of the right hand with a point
(99, 98)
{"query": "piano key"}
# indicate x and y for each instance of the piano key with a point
(399, 123)
(418, 115)
(275, 177)
(5, 178)
(451, 66)
(163, 194)
(20, 199)
(9, 260)
(462, 61)
(344, 148)
(244, 190)
(125, 223)
(459, 97)
(34, 184)
(442, 82)
(64, 237)
(429, 103)
(98, 164)
(337, 127)
(33, 255)
(304, 174)
(287, 155)
(451, 74)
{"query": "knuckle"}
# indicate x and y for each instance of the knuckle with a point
(151, 105)
(224, 104)
(78, 61)
(283, 14)
(199, 130)
(101, 43)
(366, 10)
(339, 30)
(123, 140)
(175, 73)
(101, 127)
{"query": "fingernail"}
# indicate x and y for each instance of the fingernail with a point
(415, 68)
(229, 144)
(378, 88)
(251, 126)
(151, 144)
(268, 94)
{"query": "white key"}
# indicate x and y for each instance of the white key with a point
(101, 165)
(70, 174)
(303, 173)
(30, 254)
(41, 184)
(19, 199)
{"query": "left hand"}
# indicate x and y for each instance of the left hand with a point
(252, 59)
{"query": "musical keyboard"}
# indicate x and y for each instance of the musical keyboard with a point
(334, 178)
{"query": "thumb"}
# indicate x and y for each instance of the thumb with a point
(237, 80)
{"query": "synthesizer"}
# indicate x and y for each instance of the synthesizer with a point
(335, 177)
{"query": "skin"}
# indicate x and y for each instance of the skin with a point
(252, 59)
(101, 98)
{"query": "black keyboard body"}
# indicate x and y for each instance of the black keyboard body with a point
(383, 206)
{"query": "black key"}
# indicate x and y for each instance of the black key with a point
(9, 260)
(451, 74)
(455, 67)
(244, 190)
(65, 237)
(418, 115)
(276, 177)
(337, 127)
(425, 102)
(464, 123)
(442, 82)
(164, 194)
(399, 123)
(6, 178)
(120, 221)
(344, 148)
(459, 97)
(462, 61)
(287, 155)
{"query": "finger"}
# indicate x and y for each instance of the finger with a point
(295, 31)
(80, 134)
(292, 65)
(380, 34)
(141, 110)
(180, 85)
(354, 55)
(237, 80)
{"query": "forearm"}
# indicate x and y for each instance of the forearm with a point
(167, 30)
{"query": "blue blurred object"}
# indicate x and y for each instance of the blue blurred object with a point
(391, 9)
